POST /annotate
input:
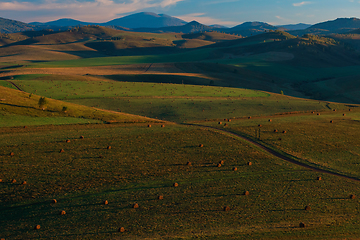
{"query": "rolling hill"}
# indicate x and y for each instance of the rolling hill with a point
(11, 26)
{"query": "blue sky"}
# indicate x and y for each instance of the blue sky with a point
(225, 12)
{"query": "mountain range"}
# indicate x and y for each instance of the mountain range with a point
(159, 23)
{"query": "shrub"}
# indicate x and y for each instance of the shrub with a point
(64, 109)
(42, 102)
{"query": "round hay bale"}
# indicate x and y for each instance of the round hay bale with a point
(259, 125)
(162, 126)
(68, 141)
(270, 120)
(246, 193)
(100, 156)
(334, 110)
(0, 180)
(226, 125)
(352, 196)
(160, 197)
(249, 163)
(149, 126)
(25, 126)
(82, 137)
(229, 120)
(222, 162)
(13, 181)
(349, 110)
(249, 117)
(12, 154)
(175, 185)
(201, 145)
(318, 114)
(62, 212)
(319, 178)
(275, 130)
(307, 208)
(331, 121)
(235, 169)
(312, 112)
(106, 202)
(302, 225)
(219, 165)
(24, 183)
(344, 114)
(226, 208)
(121, 230)
(284, 131)
(54, 201)
(37, 227)
(61, 151)
(220, 123)
(188, 163)
(108, 147)
(135, 205)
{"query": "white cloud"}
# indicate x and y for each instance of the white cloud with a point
(301, 4)
(95, 11)
(201, 18)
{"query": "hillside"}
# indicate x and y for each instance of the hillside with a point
(191, 27)
(11, 26)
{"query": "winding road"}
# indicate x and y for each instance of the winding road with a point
(276, 154)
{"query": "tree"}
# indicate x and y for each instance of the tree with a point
(42, 102)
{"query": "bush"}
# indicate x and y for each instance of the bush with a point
(42, 102)
(64, 109)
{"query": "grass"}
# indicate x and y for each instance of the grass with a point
(333, 146)
(144, 163)
(24, 104)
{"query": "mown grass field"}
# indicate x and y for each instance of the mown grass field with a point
(328, 141)
(142, 164)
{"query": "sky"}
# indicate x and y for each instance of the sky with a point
(224, 12)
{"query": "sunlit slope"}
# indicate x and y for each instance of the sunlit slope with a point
(15, 104)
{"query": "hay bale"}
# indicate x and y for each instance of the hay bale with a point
(219, 165)
(135, 205)
(334, 110)
(270, 120)
(188, 163)
(201, 145)
(162, 126)
(121, 230)
(235, 169)
(280, 139)
(229, 120)
(284, 131)
(82, 137)
(226, 125)
(54, 201)
(275, 130)
(68, 141)
(222, 162)
(12, 154)
(24, 183)
(13, 181)
(349, 110)
(108, 147)
(61, 151)
(100, 156)
(0, 180)
(226, 208)
(318, 114)
(302, 225)
(246, 193)
(249, 117)
(62, 212)
(25, 126)
(319, 178)
(331, 121)
(249, 163)
(312, 112)
(149, 126)
(220, 123)
(175, 185)
(160, 197)
(37, 227)
(352, 196)
(307, 208)
(259, 125)
(344, 114)
(106, 202)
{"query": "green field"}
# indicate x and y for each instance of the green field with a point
(142, 164)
